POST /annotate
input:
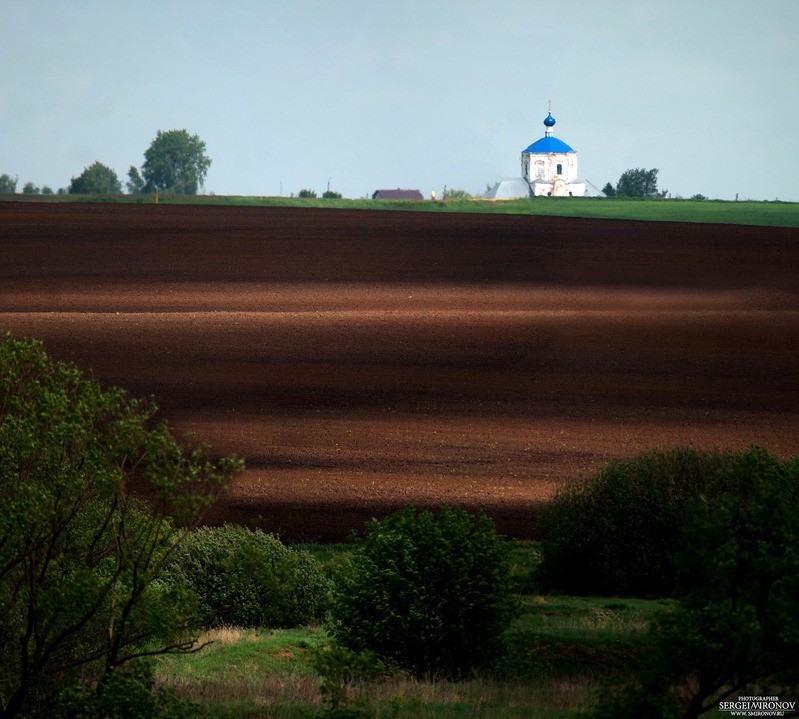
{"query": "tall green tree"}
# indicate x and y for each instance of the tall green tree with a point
(639, 183)
(81, 558)
(175, 163)
(96, 179)
(135, 182)
(8, 184)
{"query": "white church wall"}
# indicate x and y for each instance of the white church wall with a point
(541, 171)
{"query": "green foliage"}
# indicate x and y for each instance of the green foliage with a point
(80, 556)
(452, 194)
(429, 593)
(175, 163)
(614, 533)
(735, 626)
(331, 195)
(128, 692)
(8, 185)
(306, 194)
(639, 183)
(97, 179)
(608, 190)
(247, 578)
(135, 183)
(30, 189)
(342, 671)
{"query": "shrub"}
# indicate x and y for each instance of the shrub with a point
(427, 593)
(344, 673)
(130, 693)
(614, 533)
(247, 578)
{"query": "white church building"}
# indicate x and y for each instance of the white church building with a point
(549, 168)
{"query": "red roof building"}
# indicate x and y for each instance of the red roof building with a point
(397, 195)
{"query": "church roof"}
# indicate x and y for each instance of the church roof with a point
(548, 144)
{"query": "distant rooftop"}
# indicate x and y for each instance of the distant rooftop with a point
(397, 195)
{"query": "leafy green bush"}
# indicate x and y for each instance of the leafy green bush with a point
(734, 629)
(343, 673)
(247, 578)
(613, 534)
(427, 593)
(130, 693)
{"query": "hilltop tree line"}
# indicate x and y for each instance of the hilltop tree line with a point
(175, 163)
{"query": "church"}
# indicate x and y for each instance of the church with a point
(549, 168)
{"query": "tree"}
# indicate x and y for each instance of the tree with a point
(135, 183)
(639, 183)
(81, 557)
(30, 189)
(735, 627)
(429, 593)
(8, 185)
(306, 194)
(615, 533)
(96, 179)
(175, 163)
(608, 190)
(331, 195)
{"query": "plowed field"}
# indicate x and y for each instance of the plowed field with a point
(361, 361)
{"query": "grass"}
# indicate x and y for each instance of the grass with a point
(782, 214)
(267, 674)
(560, 648)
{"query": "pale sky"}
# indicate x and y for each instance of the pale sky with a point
(367, 95)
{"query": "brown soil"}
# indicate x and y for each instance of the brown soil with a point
(362, 361)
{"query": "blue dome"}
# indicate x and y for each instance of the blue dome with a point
(548, 144)
(550, 121)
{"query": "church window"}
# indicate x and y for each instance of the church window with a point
(560, 169)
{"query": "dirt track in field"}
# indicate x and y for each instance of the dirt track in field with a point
(361, 361)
